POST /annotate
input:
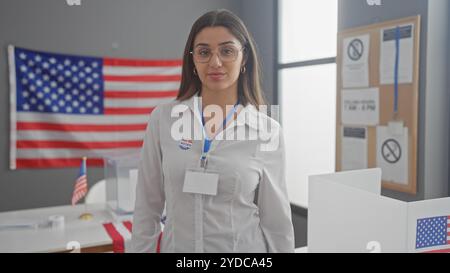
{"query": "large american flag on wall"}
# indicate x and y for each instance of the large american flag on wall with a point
(65, 107)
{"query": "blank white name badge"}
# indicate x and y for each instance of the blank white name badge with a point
(198, 181)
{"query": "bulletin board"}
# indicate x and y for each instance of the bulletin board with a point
(367, 138)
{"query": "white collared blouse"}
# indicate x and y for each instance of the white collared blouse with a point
(251, 211)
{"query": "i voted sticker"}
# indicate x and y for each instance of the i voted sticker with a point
(185, 144)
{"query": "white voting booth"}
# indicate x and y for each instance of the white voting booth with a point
(347, 213)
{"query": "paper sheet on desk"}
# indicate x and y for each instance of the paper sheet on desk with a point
(19, 224)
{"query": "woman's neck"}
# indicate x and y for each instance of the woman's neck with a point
(221, 98)
(225, 99)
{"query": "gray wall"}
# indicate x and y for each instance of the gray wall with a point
(141, 28)
(259, 16)
(448, 87)
(436, 102)
(433, 151)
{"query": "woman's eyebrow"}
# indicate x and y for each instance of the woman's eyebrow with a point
(223, 43)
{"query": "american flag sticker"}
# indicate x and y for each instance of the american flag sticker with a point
(185, 144)
(433, 234)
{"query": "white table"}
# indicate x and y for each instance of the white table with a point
(91, 234)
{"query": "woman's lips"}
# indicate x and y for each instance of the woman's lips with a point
(216, 76)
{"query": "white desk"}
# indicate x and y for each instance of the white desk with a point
(90, 234)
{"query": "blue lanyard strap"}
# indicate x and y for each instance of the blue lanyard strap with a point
(397, 61)
(207, 143)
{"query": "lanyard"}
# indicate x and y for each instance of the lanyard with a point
(397, 61)
(207, 142)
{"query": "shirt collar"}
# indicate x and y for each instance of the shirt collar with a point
(249, 115)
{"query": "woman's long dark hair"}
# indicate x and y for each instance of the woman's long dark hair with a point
(249, 82)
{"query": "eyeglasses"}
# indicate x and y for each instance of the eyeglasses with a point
(226, 53)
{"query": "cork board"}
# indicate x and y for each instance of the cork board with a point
(408, 98)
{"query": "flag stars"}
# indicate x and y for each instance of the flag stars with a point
(59, 84)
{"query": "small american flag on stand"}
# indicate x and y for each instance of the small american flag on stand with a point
(81, 186)
(64, 106)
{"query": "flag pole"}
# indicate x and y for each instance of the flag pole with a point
(86, 216)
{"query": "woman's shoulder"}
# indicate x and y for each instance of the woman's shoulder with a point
(264, 119)
(165, 107)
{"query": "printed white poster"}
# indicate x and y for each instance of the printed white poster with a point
(360, 107)
(389, 51)
(392, 155)
(355, 65)
(354, 148)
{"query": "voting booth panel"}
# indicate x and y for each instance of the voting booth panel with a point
(348, 214)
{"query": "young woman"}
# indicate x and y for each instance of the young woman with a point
(219, 195)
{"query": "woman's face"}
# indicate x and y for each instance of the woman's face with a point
(218, 57)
